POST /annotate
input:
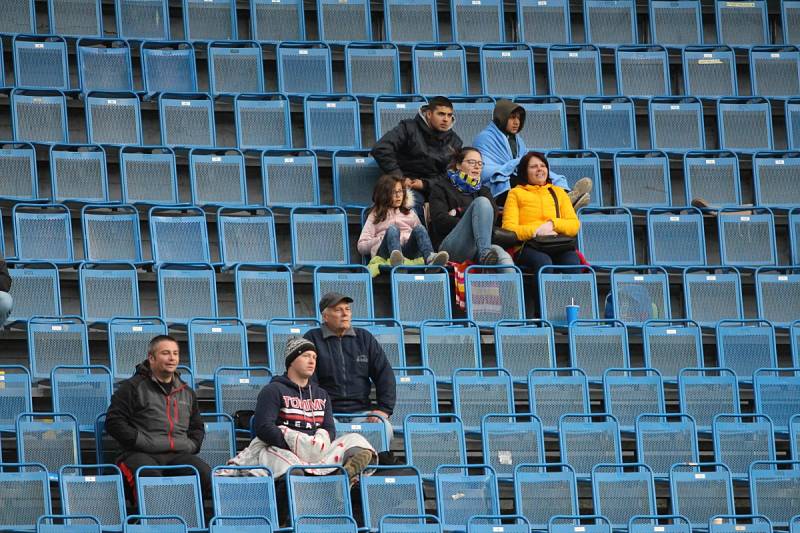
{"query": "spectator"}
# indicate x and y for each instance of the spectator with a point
(6, 302)
(463, 212)
(349, 362)
(419, 148)
(393, 231)
(502, 147)
(155, 417)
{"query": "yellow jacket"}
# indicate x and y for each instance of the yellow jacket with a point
(529, 206)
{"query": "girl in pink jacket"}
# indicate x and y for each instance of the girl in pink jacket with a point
(393, 230)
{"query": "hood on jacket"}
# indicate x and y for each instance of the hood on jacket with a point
(502, 110)
(427, 127)
(143, 369)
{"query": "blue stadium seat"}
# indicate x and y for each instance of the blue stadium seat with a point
(474, 113)
(104, 64)
(317, 496)
(744, 346)
(706, 392)
(744, 24)
(235, 68)
(290, 178)
(676, 124)
(448, 345)
(543, 24)
(355, 173)
(741, 439)
(353, 280)
(15, 396)
(573, 71)
(236, 389)
(794, 434)
(339, 523)
(776, 395)
(389, 334)
(35, 290)
(30, 482)
(154, 524)
(148, 175)
(20, 17)
(640, 294)
(272, 22)
(39, 116)
(95, 490)
(332, 122)
(792, 114)
(642, 71)
(610, 22)
(75, 19)
(608, 124)
(554, 483)
(250, 494)
(597, 345)
(567, 285)
(389, 110)
(263, 292)
(658, 524)
(127, 342)
(675, 23)
(511, 440)
(549, 113)
(391, 495)
(462, 492)
(709, 71)
(776, 295)
(168, 66)
(737, 522)
(493, 294)
(51, 439)
(670, 345)
(240, 524)
(40, 62)
(554, 392)
(407, 23)
(752, 115)
(371, 68)
(56, 341)
(712, 294)
(262, 121)
(246, 236)
(577, 164)
(520, 345)
(113, 118)
(416, 388)
(478, 392)
(219, 442)
(507, 69)
(790, 26)
(439, 69)
(774, 487)
(78, 173)
(18, 172)
(675, 237)
(209, 20)
(629, 393)
(178, 234)
(641, 179)
(620, 491)
(374, 432)
(186, 291)
(217, 177)
(774, 71)
(774, 178)
(108, 290)
(319, 236)
(82, 391)
(606, 236)
(278, 332)
(142, 19)
(698, 492)
(663, 440)
(42, 232)
(187, 120)
(431, 440)
(712, 176)
(419, 294)
(588, 440)
(214, 343)
(175, 492)
(304, 67)
(342, 22)
(477, 24)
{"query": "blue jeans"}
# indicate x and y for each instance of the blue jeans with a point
(473, 234)
(417, 245)
(535, 260)
(6, 304)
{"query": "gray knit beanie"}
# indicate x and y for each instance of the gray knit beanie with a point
(294, 347)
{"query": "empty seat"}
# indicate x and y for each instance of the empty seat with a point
(75, 18)
(610, 22)
(28, 491)
(774, 487)
(142, 19)
(431, 440)
(741, 439)
(51, 439)
(391, 495)
(148, 175)
(524, 344)
(493, 294)
(562, 286)
(175, 492)
(792, 114)
(463, 492)
(111, 233)
(608, 124)
(439, 69)
(419, 294)
(231, 524)
(246, 236)
(279, 330)
(95, 491)
(186, 291)
(342, 523)
(39, 116)
(168, 66)
(478, 392)
(104, 65)
(375, 432)
(35, 290)
(408, 23)
(742, 24)
(709, 71)
(416, 388)
(352, 280)
(775, 391)
(676, 124)
(774, 179)
(794, 234)
(15, 396)
(789, 24)
(187, 120)
(113, 118)
(745, 124)
(56, 341)
(304, 67)
(219, 441)
(630, 393)
(447, 345)
(389, 335)
(342, 22)
(712, 294)
(42, 232)
(273, 22)
(40, 62)
(642, 179)
(153, 524)
(290, 178)
(675, 237)
(606, 236)
(706, 392)
(128, 339)
(477, 24)
(108, 290)
(699, 491)
(507, 69)
(554, 483)
(372, 68)
(217, 177)
(597, 345)
(747, 240)
(794, 434)
(235, 68)
(744, 346)
(215, 343)
(20, 17)
(82, 391)
(774, 71)
(574, 71)
(550, 116)
(543, 24)
(510, 441)
(777, 291)
(389, 110)
(78, 173)
(663, 440)
(474, 113)
(18, 172)
(577, 164)
(263, 292)
(319, 236)
(209, 20)
(331, 122)
(675, 23)
(355, 173)
(713, 177)
(671, 345)
(236, 388)
(589, 440)
(178, 235)
(620, 491)
(642, 70)
(262, 121)
(554, 392)
(640, 294)
(317, 496)
(250, 494)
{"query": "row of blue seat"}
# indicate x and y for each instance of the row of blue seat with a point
(669, 23)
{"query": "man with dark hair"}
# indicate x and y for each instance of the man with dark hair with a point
(155, 417)
(6, 302)
(419, 148)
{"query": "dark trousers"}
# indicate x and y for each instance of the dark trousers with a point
(130, 462)
(534, 260)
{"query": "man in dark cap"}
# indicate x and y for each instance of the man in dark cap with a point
(350, 361)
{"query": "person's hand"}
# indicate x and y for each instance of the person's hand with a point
(546, 229)
(407, 183)
(375, 418)
(417, 184)
(452, 212)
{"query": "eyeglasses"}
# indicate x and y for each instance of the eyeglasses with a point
(473, 162)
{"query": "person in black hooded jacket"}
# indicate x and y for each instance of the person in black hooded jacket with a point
(6, 302)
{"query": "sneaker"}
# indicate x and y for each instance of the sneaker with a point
(357, 462)
(488, 257)
(581, 187)
(700, 203)
(583, 201)
(437, 258)
(396, 258)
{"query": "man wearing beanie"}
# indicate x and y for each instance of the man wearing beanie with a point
(350, 361)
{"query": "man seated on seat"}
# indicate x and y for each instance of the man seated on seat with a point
(6, 302)
(349, 362)
(502, 147)
(419, 148)
(155, 417)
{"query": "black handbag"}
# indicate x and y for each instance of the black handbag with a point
(553, 244)
(504, 238)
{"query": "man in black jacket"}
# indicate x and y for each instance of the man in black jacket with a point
(6, 302)
(419, 148)
(155, 417)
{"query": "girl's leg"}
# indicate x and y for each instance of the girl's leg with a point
(391, 242)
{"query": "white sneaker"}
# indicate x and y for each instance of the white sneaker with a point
(437, 258)
(396, 258)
